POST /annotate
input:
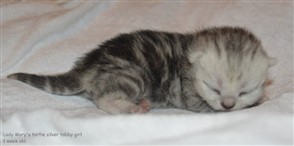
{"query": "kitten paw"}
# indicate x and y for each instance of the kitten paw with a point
(137, 110)
(145, 104)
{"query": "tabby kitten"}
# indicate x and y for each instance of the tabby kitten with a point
(215, 69)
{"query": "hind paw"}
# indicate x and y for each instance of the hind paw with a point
(145, 104)
(137, 110)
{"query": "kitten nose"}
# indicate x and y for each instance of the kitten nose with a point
(228, 102)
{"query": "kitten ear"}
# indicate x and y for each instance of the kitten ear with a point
(272, 61)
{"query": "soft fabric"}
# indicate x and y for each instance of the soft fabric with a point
(48, 37)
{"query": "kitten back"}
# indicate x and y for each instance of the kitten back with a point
(63, 84)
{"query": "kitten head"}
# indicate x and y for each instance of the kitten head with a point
(230, 67)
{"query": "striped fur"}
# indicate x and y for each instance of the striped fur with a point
(204, 71)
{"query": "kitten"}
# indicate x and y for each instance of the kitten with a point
(215, 69)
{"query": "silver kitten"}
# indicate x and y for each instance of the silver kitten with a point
(215, 69)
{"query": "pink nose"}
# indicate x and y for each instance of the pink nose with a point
(228, 102)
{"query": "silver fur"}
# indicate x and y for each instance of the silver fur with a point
(215, 69)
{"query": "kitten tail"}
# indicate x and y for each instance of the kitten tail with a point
(63, 84)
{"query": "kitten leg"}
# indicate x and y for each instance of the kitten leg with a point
(114, 104)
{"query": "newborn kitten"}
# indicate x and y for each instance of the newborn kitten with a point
(216, 69)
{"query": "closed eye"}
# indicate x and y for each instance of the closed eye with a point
(242, 93)
(246, 92)
(213, 89)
